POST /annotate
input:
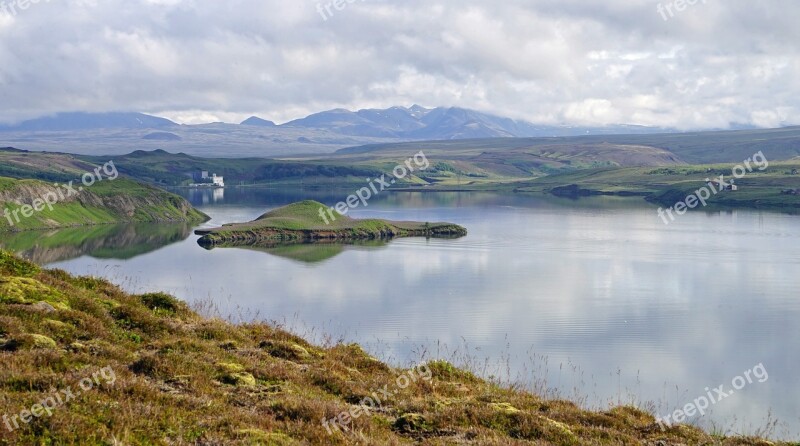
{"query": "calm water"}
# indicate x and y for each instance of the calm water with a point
(596, 300)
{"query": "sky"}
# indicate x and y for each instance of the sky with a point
(661, 63)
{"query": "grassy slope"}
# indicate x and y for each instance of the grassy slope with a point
(302, 220)
(668, 185)
(151, 205)
(42, 166)
(690, 147)
(183, 379)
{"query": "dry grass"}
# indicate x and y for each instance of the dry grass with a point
(182, 379)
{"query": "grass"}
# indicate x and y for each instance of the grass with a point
(182, 379)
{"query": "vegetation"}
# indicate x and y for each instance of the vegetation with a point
(106, 202)
(310, 220)
(180, 378)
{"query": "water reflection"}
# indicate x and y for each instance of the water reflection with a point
(309, 252)
(101, 242)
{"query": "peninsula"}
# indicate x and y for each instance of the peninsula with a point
(301, 222)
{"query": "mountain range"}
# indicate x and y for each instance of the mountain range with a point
(320, 133)
(412, 123)
(443, 123)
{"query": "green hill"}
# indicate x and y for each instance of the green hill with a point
(119, 201)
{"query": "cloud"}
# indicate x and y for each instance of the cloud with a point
(548, 61)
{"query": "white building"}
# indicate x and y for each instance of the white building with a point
(218, 181)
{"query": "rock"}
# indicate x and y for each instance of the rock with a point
(44, 307)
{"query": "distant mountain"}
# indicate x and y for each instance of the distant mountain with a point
(319, 133)
(345, 122)
(162, 136)
(407, 123)
(256, 121)
(90, 121)
(442, 123)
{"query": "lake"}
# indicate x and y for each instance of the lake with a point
(593, 300)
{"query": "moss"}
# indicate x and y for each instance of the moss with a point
(560, 433)
(504, 407)
(27, 291)
(411, 422)
(29, 342)
(235, 375)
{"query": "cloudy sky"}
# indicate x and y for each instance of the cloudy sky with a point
(548, 61)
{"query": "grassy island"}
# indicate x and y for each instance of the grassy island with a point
(310, 220)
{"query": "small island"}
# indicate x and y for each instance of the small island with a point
(303, 222)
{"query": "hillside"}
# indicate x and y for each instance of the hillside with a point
(765, 189)
(308, 221)
(500, 160)
(106, 202)
(691, 147)
(516, 157)
(115, 368)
